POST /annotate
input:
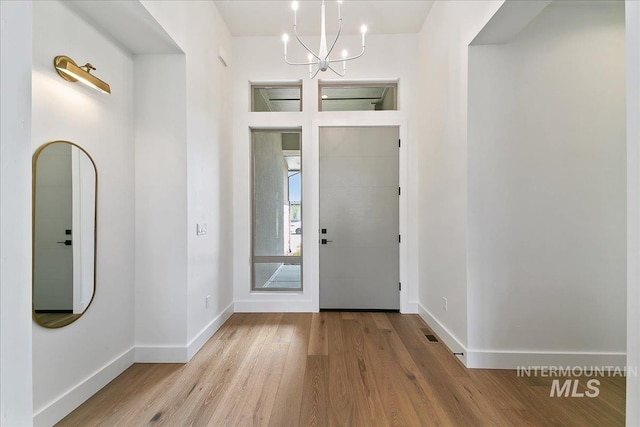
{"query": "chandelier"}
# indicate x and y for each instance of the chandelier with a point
(320, 61)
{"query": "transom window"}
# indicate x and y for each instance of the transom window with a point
(357, 97)
(280, 97)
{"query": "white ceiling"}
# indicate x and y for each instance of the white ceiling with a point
(128, 22)
(275, 17)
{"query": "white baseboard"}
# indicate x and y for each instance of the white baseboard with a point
(445, 335)
(161, 354)
(65, 404)
(182, 354)
(484, 359)
(490, 359)
(207, 332)
(62, 406)
(275, 306)
(410, 308)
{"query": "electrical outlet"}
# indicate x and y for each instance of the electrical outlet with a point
(207, 301)
(444, 303)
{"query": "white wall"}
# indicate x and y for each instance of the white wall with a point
(161, 207)
(16, 388)
(632, 12)
(77, 360)
(199, 31)
(546, 190)
(442, 156)
(260, 60)
(186, 178)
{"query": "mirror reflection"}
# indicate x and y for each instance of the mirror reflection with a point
(64, 233)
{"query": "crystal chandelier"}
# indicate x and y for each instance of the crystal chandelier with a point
(320, 61)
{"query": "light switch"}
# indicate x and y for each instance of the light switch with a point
(201, 229)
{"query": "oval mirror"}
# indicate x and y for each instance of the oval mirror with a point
(64, 233)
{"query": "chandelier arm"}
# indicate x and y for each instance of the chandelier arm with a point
(336, 39)
(298, 63)
(295, 32)
(331, 61)
(340, 74)
(322, 61)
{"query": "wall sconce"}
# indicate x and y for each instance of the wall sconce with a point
(70, 71)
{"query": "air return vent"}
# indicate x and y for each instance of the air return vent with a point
(431, 338)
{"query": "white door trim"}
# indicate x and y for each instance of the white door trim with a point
(309, 299)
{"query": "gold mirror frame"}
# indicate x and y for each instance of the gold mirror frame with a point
(36, 155)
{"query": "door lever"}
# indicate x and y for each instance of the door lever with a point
(66, 242)
(325, 241)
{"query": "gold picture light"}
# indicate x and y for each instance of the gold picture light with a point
(70, 71)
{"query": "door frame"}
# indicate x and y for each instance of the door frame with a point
(311, 216)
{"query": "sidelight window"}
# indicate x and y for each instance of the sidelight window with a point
(276, 210)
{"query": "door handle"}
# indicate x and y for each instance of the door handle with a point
(325, 241)
(66, 242)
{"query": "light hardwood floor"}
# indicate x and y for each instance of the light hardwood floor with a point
(347, 369)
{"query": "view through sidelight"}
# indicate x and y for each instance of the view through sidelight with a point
(276, 210)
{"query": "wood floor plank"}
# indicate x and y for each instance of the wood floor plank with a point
(286, 329)
(367, 400)
(348, 315)
(341, 404)
(139, 382)
(288, 400)
(479, 402)
(183, 399)
(390, 380)
(315, 394)
(251, 367)
(259, 395)
(318, 345)
(432, 366)
(421, 390)
(336, 369)
(212, 387)
(382, 321)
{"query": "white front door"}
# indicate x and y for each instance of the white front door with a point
(359, 218)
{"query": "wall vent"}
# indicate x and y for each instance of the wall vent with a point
(431, 338)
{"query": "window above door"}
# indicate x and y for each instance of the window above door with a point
(357, 96)
(285, 97)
